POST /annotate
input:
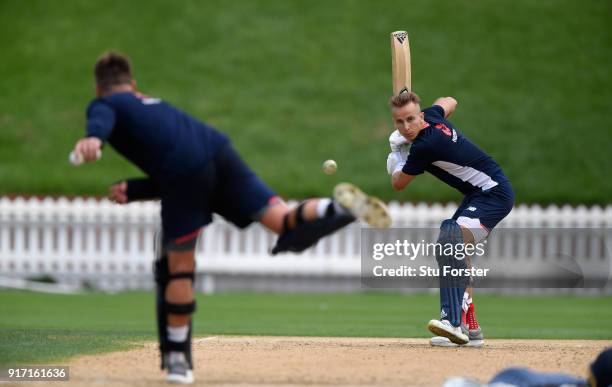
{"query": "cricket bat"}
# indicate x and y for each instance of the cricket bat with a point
(400, 62)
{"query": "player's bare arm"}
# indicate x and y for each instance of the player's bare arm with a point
(449, 104)
(399, 180)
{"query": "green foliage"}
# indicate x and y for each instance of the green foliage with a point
(298, 82)
(45, 328)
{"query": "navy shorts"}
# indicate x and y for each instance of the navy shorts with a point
(485, 208)
(226, 186)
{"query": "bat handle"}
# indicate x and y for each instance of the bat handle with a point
(76, 159)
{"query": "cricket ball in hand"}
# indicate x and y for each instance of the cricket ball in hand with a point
(330, 167)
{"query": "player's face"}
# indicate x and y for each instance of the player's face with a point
(408, 120)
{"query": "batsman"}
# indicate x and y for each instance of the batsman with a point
(426, 141)
(195, 171)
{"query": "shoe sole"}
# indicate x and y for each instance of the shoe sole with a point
(369, 209)
(440, 341)
(436, 327)
(180, 379)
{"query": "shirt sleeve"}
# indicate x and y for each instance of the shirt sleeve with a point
(100, 120)
(435, 111)
(419, 158)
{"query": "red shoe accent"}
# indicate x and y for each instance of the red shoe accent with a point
(471, 317)
(463, 317)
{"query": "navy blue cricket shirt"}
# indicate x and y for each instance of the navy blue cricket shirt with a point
(445, 153)
(155, 136)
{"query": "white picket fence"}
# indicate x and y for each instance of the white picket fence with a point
(109, 246)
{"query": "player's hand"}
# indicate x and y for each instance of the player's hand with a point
(118, 192)
(88, 148)
(395, 162)
(397, 142)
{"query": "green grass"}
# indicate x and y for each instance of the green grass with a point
(297, 82)
(46, 328)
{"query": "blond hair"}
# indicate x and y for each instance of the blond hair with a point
(403, 99)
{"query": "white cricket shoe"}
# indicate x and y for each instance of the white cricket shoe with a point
(475, 335)
(179, 371)
(368, 209)
(445, 329)
(441, 341)
(476, 339)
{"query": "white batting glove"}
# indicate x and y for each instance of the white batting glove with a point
(397, 141)
(395, 162)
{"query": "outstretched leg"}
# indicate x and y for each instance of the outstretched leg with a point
(241, 197)
(303, 226)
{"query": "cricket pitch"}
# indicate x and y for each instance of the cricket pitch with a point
(327, 361)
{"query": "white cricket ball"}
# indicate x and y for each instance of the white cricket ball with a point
(330, 167)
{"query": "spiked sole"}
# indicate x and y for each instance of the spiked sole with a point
(369, 209)
(439, 329)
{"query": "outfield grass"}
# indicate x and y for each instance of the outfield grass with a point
(298, 82)
(45, 328)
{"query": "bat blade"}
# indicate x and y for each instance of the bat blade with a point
(400, 62)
